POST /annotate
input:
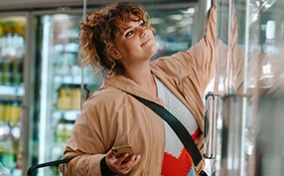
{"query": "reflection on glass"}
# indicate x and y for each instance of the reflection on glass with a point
(250, 76)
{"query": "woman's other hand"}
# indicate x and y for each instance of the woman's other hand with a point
(118, 165)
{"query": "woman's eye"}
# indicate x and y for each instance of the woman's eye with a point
(142, 25)
(129, 33)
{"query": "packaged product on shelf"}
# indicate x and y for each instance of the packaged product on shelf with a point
(17, 63)
(64, 98)
(10, 136)
(15, 123)
(3, 171)
(76, 97)
(11, 58)
(6, 119)
(62, 133)
(69, 97)
(6, 72)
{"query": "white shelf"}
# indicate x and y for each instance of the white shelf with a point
(66, 114)
(11, 90)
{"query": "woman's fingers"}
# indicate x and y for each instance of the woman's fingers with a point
(124, 158)
(126, 167)
(122, 164)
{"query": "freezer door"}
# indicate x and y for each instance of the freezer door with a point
(13, 115)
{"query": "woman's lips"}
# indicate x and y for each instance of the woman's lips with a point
(146, 41)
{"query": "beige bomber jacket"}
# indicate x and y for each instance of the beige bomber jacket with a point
(112, 117)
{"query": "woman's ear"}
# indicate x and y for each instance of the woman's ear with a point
(114, 53)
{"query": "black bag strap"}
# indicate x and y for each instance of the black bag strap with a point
(46, 164)
(177, 126)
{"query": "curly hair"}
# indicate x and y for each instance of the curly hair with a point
(100, 30)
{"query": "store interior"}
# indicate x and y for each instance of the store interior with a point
(42, 86)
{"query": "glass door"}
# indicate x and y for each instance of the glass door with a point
(59, 81)
(12, 90)
(250, 76)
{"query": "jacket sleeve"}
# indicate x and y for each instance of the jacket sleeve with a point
(197, 63)
(86, 145)
(201, 55)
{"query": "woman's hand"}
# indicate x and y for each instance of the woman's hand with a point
(118, 165)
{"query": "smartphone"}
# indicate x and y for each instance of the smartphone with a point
(120, 150)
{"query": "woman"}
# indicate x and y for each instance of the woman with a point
(119, 39)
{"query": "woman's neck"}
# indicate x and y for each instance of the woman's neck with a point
(145, 79)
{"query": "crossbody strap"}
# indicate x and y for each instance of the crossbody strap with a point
(46, 164)
(177, 126)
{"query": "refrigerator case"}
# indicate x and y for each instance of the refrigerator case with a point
(60, 81)
(252, 88)
(12, 90)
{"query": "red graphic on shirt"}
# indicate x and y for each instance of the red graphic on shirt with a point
(180, 166)
(173, 166)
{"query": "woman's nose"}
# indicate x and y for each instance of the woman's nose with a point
(142, 32)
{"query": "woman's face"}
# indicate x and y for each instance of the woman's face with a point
(136, 43)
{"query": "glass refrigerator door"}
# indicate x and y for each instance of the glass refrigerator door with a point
(60, 85)
(251, 78)
(12, 57)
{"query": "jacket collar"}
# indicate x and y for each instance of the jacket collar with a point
(127, 85)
